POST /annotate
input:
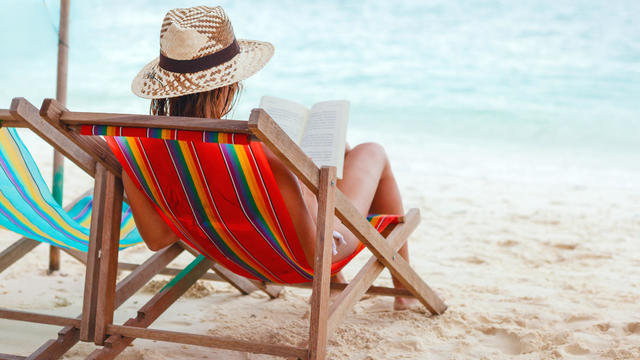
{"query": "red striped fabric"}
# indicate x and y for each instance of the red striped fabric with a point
(223, 200)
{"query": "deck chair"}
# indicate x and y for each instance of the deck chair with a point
(251, 187)
(28, 208)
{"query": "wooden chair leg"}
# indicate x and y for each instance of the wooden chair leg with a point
(54, 259)
(92, 276)
(383, 251)
(363, 280)
(102, 257)
(155, 307)
(56, 348)
(69, 336)
(322, 265)
(273, 290)
(108, 256)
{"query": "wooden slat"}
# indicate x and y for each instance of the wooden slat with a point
(270, 134)
(37, 318)
(209, 341)
(162, 300)
(144, 272)
(110, 235)
(16, 251)
(383, 251)
(151, 310)
(13, 124)
(55, 348)
(322, 265)
(170, 271)
(272, 290)
(23, 110)
(5, 115)
(70, 335)
(358, 286)
(240, 283)
(372, 290)
(92, 275)
(81, 256)
(51, 110)
(11, 357)
(76, 119)
(6, 120)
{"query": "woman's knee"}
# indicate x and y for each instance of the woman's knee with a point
(372, 150)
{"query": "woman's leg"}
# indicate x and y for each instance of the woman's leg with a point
(370, 184)
(367, 181)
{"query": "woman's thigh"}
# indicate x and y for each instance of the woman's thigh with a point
(363, 167)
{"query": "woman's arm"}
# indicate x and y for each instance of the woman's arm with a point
(153, 230)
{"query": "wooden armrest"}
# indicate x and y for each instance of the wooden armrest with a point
(6, 120)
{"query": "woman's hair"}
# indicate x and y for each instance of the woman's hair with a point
(212, 104)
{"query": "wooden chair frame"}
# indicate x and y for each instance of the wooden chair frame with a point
(325, 317)
(25, 115)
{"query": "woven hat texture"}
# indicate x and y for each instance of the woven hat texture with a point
(193, 34)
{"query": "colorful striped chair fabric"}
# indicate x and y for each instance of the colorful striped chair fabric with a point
(28, 208)
(217, 192)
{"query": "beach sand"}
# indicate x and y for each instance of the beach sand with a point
(529, 271)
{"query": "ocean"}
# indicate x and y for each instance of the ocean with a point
(535, 90)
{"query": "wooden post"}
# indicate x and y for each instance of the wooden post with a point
(322, 265)
(110, 239)
(61, 96)
(92, 276)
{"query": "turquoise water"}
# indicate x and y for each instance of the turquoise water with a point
(548, 77)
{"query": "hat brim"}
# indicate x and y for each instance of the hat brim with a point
(154, 82)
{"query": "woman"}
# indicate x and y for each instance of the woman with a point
(197, 75)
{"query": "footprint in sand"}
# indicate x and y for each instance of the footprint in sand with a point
(580, 318)
(180, 323)
(61, 302)
(508, 243)
(592, 256)
(407, 344)
(565, 246)
(473, 260)
(633, 328)
(378, 307)
(576, 349)
(604, 327)
(506, 341)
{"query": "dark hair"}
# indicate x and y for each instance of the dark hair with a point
(212, 104)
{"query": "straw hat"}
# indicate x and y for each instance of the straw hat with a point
(199, 52)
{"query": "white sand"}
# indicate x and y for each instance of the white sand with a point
(529, 270)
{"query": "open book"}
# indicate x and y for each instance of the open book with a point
(320, 131)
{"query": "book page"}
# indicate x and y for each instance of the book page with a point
(290, 116)
(324, 137)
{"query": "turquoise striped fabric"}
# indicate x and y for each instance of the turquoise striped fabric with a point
(28, 208)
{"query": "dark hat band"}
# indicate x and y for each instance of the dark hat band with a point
(202, 63)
